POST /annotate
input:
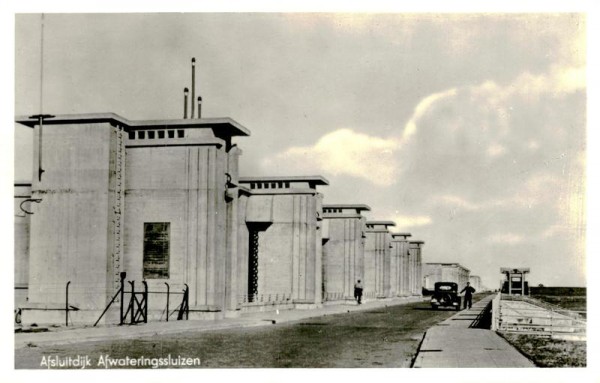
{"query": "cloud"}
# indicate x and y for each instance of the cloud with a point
(345, 152)
(422, 107)
(410, 221)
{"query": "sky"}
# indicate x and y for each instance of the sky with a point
(467, 130)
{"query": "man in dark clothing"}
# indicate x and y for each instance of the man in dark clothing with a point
(358, 289)
(468, 295)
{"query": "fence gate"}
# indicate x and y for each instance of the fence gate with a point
(138, 305)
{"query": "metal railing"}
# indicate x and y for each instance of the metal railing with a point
(534, 317)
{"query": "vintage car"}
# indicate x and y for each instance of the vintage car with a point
(445, 295)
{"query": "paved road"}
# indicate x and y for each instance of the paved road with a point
(382, 337)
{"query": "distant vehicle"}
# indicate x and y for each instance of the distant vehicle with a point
(445, 294)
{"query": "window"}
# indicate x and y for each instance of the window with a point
(156, 250)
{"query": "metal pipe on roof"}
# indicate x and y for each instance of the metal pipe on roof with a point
(185, 102)
(199, 106)
(193, 84)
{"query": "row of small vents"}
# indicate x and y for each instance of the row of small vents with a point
(156, 134)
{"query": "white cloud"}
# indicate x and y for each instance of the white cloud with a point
(558, 81)
(422, 107)
(345, 152)
(409, 221)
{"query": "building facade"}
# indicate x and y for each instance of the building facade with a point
(400, 264)
(153, 199)
(445, 272)
(119, 207)
(343, 250)
(377, 259)
(280, 246)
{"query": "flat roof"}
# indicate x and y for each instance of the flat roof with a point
(315, 180)
(228, 125)
(514, 269)
(418, 242)
(348, 206)
(383, 223)
(401, 234)
(447, 264)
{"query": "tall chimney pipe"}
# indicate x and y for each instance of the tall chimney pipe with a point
(199, 106)
(185, 102)
(193, 84)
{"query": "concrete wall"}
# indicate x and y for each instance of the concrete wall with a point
(72, 229)
(343, 252)
(289, 240)
(399, 273)
(22, 192)
(104, 178)
(377, 260)
(415, 264)
(445, 272)
(185, 186)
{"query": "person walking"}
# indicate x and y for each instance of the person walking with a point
(358, 290)
(468, 290)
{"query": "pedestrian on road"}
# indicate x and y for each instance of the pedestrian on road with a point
(358, 289)
(468, 295)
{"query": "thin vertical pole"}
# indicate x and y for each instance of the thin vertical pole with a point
(168, 290)
(121, 319)
(193, 85)
(67, 304)
(40, 170)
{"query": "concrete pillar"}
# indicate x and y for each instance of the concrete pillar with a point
(400, 242)
(290, 248)
(377, 259)
(343, 250)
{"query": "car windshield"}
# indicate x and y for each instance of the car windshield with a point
(445, 288)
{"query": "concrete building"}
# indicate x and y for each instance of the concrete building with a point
(445, 272)
(476, 282)
(343, 250)
(22, 209)
(515, 283)
(378, 238)
(415, 259)
(280, 246)
(400, 265)
(154, 199)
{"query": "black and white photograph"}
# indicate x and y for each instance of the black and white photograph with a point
(360, 190)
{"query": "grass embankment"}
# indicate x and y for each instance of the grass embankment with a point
(546, 352)
(570, 298)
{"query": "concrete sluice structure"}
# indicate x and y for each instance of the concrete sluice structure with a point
(400, 264)
(343, 250)
(280, 241)
(378, 239)
(163, 202)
